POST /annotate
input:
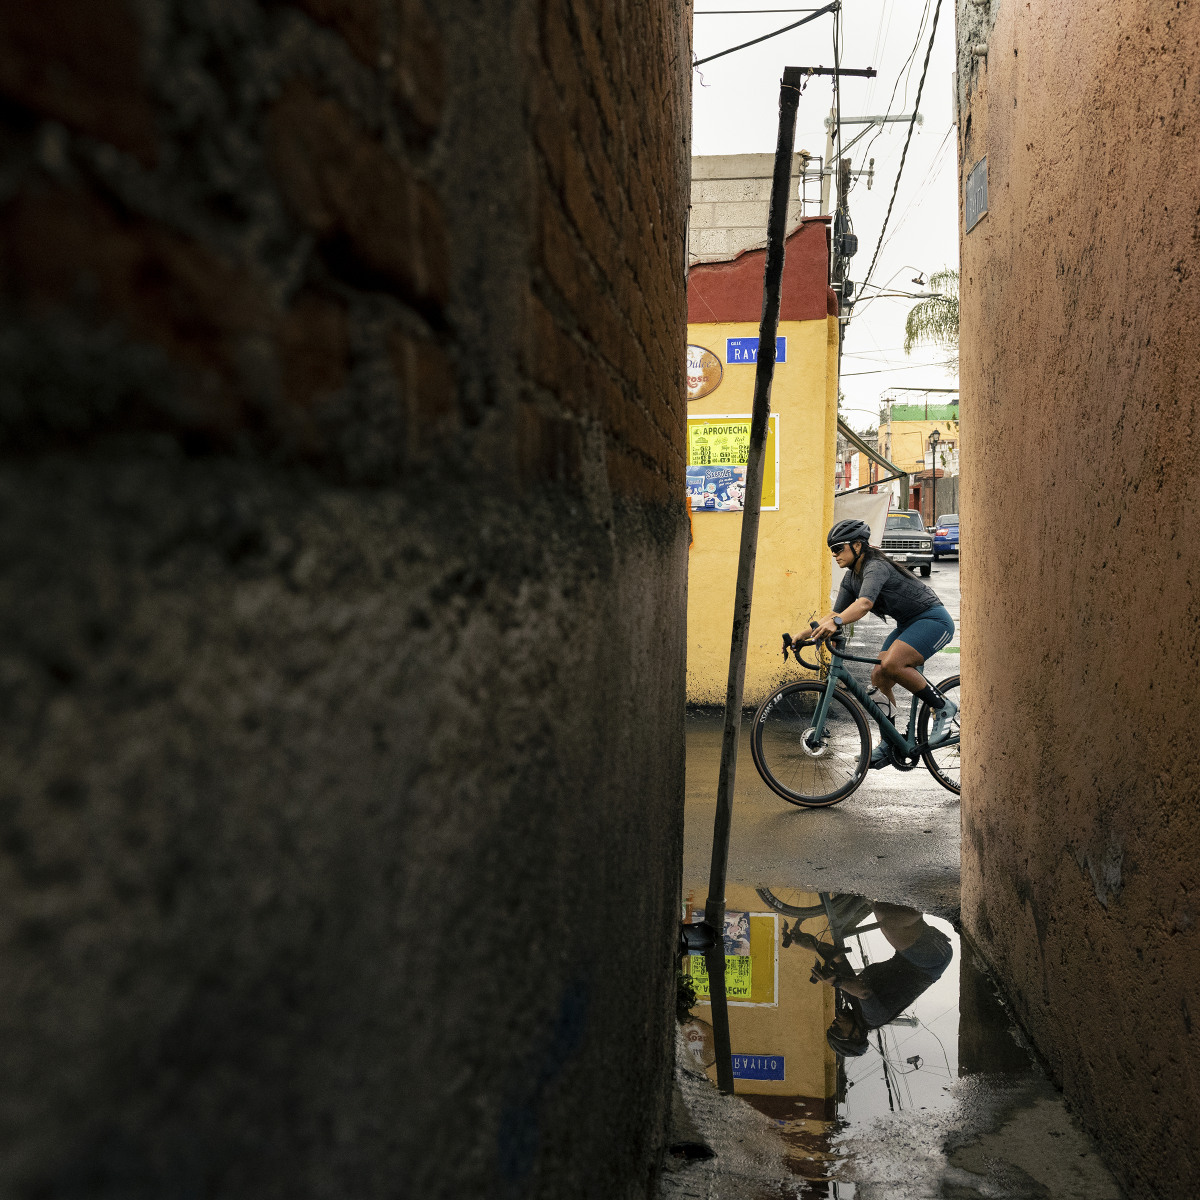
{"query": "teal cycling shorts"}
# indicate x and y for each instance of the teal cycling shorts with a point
(932, 630)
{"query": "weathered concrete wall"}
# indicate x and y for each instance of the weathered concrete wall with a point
(342, 580)
(1081, 378)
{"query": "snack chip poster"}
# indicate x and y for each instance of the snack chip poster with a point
(718, 448)
(751, 959)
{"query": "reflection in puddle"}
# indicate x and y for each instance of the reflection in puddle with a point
(844, 1013)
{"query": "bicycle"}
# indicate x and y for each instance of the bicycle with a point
(811, 743)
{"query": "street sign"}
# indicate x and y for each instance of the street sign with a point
(975, 201)
(745, 350)
(758, 1066)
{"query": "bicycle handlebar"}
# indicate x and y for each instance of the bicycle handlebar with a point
(834, 643)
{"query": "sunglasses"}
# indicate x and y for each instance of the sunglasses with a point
(838, 547)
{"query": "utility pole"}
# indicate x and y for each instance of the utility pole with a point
(827, 161)
(845, 245)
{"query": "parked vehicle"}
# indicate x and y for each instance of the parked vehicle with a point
(945, 536)
(906, 541)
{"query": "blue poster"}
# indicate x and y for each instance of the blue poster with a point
(745, 350)
(716, 489)
(758, 1066)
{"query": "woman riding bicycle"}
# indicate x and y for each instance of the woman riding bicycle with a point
(873, 583)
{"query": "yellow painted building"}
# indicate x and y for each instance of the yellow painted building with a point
(786, 1018)
(793, 571)
(904, 437)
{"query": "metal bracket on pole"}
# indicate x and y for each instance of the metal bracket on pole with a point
(714, 909)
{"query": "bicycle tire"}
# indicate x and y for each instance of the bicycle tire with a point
(803, 912)
(940, 770)
(780, 722)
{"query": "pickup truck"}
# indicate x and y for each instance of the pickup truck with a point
(905, 540)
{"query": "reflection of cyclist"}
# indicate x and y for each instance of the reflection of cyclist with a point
(883, 990)
(873, 583)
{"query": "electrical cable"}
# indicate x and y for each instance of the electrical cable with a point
(885, 26)
(835, 6)
(907, 141)
(924, 186)
(904, 73)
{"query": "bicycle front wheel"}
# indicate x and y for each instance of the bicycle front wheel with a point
(943, 762)
(797, 766)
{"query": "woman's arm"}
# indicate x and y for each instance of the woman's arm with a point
(851, 613)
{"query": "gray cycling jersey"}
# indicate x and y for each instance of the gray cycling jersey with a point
(892, 593)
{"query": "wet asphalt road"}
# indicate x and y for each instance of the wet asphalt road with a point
(896, 838)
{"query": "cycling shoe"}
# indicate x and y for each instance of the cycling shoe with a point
(942, 718)
(881, 756)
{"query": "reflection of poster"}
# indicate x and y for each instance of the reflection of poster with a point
(738, 969)
(701, 1044)
(704, 372)
(718, 448)
(737, 930)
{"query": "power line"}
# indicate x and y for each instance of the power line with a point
(813, 15)
(911, 126)
(904, 73)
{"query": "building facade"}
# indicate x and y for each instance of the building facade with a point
(904, 432)
(793, 571)
(1081, 627)
(342, 583)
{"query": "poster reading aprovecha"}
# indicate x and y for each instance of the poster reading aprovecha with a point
(718, 448)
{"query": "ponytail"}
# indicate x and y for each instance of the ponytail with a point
(870, 553)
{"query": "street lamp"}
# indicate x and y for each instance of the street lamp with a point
(934, 438)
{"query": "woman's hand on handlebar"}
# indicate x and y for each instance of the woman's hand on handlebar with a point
(824, 628)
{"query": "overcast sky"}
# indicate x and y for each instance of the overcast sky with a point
(736, 111)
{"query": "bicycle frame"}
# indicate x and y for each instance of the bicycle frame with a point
(905, 744)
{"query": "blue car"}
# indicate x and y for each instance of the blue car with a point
(945, 536)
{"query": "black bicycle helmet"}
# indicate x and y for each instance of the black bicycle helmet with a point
(849, 531)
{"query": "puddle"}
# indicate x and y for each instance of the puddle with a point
(929, 1092)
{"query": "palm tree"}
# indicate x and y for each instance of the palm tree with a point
(934, 322)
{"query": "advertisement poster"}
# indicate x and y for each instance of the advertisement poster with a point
(738, 965)
(704, 372)
(738, 976)
(718, 448)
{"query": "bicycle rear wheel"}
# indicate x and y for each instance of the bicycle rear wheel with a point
(803, 774)
(943, 762)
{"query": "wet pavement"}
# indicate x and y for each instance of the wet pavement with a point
(872, 1057)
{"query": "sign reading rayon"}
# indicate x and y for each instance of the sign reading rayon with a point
(975, 200)
(745, 350)
(758, 1066)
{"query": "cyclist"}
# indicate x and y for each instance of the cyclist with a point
(883, 990)
(873, 583)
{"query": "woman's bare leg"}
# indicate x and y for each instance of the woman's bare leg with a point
(897, 665)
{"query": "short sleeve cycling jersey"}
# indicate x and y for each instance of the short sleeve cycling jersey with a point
(891, 592)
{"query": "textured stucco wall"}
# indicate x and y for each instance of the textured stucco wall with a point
(342, 581)
(1080, 385)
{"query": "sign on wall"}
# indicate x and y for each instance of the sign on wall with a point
(745, 350)
(758, 1066)
(975, 200)
(704, 372)
(718, 450)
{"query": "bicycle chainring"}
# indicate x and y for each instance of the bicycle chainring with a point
(903, 762)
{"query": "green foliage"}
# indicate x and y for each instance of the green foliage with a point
(934, 322)
(685, 996)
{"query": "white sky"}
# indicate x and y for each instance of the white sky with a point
(736, 111)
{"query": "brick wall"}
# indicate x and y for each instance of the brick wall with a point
(342, 571)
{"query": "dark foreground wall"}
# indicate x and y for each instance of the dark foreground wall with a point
(342, 563)
(1081, 608)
